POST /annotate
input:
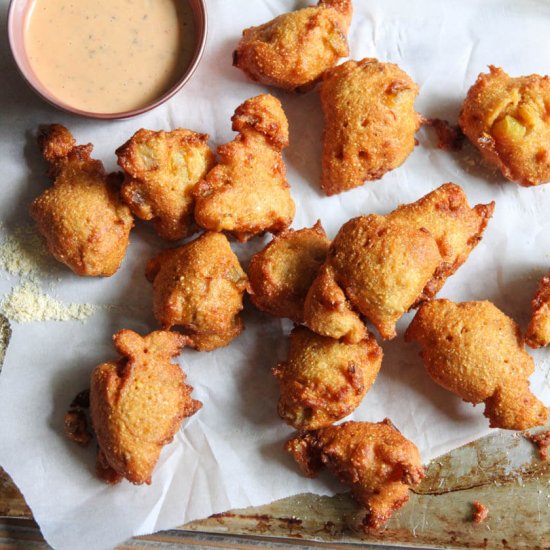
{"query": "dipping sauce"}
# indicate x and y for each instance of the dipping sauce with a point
(109, 56)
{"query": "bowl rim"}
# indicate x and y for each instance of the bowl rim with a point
(200, 46)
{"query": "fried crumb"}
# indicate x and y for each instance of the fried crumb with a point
(75, 424)
(449, 136)
(76, 427)
(480, 512)
(542, 441)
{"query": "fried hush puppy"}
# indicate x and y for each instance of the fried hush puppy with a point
(280, 275)
(162, 169)
(370, 122)
(475, 351)
(538, 331)
(199, 288)
(138, 404)
(383, 266)
(456, 227)
(508, 120)
(247, 193)
(323, 380)
(374, 459)
(84, 222)
(293, 50)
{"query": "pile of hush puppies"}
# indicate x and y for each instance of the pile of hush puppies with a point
(376, 269)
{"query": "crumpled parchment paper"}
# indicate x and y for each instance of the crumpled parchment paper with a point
(231, 453)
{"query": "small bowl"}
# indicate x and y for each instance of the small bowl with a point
(17, 14)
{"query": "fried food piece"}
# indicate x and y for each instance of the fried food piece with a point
(380, 266)
(280, 275)
(374, 459)
(293, 50)
(538, 331)
(542, 441)
(138, 404)
(455, 226)
(508, 120)
(328, 312)
(370, 122)
(84, 222)
(480, 512)
(199, 287)
(247, 193)
(475, 351)
(324, 380)
(162, 169)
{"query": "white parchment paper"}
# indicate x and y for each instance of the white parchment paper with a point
(231, 453)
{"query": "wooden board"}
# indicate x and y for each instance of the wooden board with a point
(503, 471)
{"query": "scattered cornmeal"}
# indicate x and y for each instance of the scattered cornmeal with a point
(27, 302)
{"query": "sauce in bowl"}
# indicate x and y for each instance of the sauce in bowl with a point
(109, 56)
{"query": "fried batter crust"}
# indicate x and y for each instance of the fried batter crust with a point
(475, 351)
(538, 331)
(370, 122)
(280, 275)
(199, 287)
(162, 169)
(456, 227)
(84, 222)
(138, 404)
(293, 50)
(381, 267)
(323, 380)
(247, 193)
(508, 120)
(374, 459)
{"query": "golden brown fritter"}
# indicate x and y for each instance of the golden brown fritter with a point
(247, 192)
(374, 459)
(381, 267)
(323, 380)
(475, 351)
(538, 331)
(328, 312)
(293, 50)
(508, 120)
(84, 222)
(280, 275)
(138, 404)
(455, 226)
(162, 169)
(370, 122)
(199, 288)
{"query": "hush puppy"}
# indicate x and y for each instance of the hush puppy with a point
(323, 380)
(162, 169)
(381, 267)
(456, 227)
(374, 459)
(370, 122)
(138, 404)
(328, 312)
(84, 222)
(247, 193)
(508, 120)
(199, 288)
(293, 50)
(475, 351)
(538, 331)
(280, 275)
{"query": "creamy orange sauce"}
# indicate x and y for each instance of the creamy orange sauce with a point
(109, 56)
